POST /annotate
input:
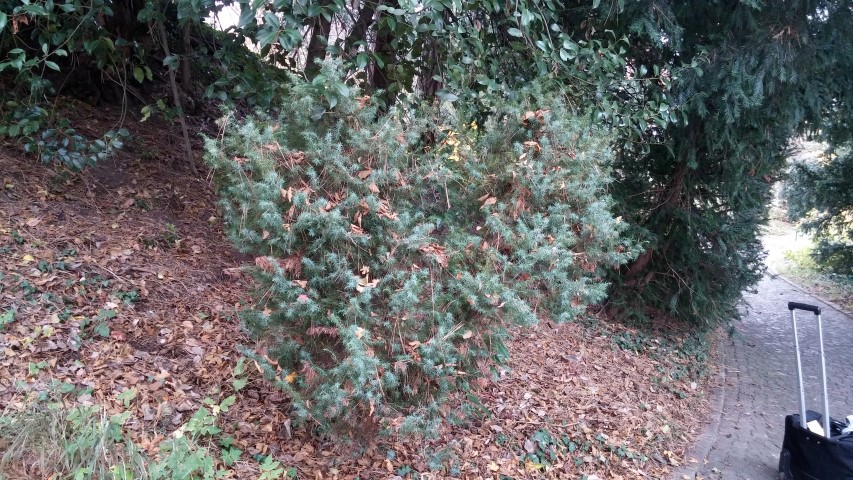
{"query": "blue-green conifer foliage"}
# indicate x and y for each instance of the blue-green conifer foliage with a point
(394, 250)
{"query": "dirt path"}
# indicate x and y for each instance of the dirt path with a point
(744, 437)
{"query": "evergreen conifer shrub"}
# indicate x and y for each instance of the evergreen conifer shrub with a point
(393, 250)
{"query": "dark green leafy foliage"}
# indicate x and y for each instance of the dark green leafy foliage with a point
(35, 39)
(393, 250)
(473, 53)
(702, 97)
(697, 190)
(103, 52)
(821, 195)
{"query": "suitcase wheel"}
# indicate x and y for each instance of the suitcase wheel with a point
(785, 465)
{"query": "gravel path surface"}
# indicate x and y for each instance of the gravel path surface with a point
(744, 438)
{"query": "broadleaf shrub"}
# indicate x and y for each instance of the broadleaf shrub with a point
(820, 197)
(393, 250)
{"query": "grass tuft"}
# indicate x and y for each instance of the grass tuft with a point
(51, 440)
(803, 270)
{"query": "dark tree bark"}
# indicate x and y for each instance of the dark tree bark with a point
(186, 72)
(317, 45)
(176, 97)
(379, 78)
(361, 27)
(123, 23)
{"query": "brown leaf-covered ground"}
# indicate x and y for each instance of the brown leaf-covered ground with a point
(121, 278)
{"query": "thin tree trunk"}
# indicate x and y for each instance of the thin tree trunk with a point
(176, 97)
(361, 26)
(379, 77)
(186, 74)
(428, 84)
(317, 44)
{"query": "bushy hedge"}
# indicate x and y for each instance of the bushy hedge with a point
(820, 197)
(392, 250)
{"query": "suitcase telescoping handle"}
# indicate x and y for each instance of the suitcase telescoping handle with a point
(793, 306)
(804, 306)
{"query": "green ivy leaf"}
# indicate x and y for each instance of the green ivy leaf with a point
(51, 65)
(35, 368)
(240, 368)
(247, 15)
(514, 32)
(527, 17)
(121, 473)
(267, 36)
(446, 96)
(34, 9)
(102, 329)
(341, 88)
(138, 74)
(6, 318)
(127, 396)
(3, 20)
(230, 456)
(228, 402)
(146, 112)
(270, 469)
(239, 383)
(82, 473)
(361, 60)
(171, 61)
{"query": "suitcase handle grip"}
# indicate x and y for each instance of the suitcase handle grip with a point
(803, 306)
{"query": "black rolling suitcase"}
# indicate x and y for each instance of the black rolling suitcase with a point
(807, 455)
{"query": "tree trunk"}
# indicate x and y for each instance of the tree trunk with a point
(123, 23)
(186, 74)
(176, 97)
(317, 45)
(361, 27)
(380, 76)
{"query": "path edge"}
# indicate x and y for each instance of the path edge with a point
(702, 446)
(774, 274)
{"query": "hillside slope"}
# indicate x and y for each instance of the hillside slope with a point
(118, 289)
